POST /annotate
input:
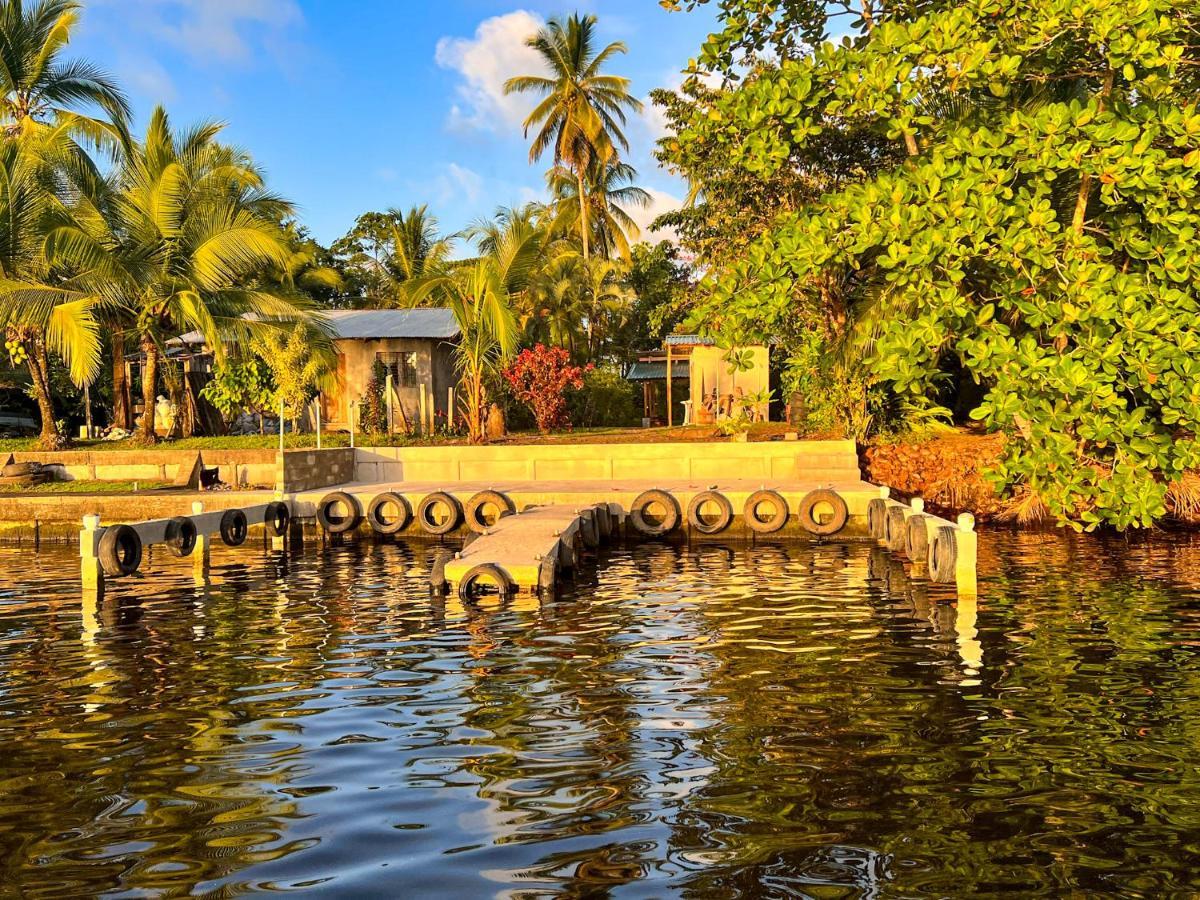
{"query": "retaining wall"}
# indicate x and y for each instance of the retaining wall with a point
(821, 461)
(307, 470)
(241, 468)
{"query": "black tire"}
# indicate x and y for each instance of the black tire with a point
(13, 470)
(548, 575)
(876, 518)
(454, 513)
(943, 555)
(588, 529)
(477, 504)
(234, 527)
(569, 550)
(485, 572)
(328, 517)
(276, 517)
(916, 540)
(437, 573)
(808, 513)
(604, 523)
(120, 550)
(376, 513)
(646, 499)
(181, 536)
(779, 512)
(894, 532)
(697, 522)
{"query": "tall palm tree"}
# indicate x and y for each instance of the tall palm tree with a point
(611, 192)
(582, 111)
(181, 244)
(418, 247)
(41, 312)
(37, 87)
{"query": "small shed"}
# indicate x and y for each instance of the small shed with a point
(703, 369)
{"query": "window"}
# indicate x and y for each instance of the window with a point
(402, 366)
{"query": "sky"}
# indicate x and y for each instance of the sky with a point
(357, 105)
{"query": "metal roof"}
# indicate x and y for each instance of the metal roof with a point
(657, 371)
(692, 339)
(372, 324)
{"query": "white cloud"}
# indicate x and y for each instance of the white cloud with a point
(660, 202)
(496, 53)
(458, 181)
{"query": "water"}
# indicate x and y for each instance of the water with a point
(756, 721)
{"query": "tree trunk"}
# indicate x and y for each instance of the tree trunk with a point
(1085, 179)
(583, 213)
(50, 437)
(149, 383)
(122, 415)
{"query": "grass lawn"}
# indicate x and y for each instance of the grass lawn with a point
(88, 487)
(679, 434)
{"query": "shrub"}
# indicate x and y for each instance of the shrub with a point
(606, 400)
(539, 378)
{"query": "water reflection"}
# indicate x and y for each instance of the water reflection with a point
(688, 721)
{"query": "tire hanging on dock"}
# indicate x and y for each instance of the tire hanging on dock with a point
(916, 540)
(377, 516)
(775, 521)
(894, 532)
(876, 514)
(478, 503)
(234, 527)
(643, 502)
(695, 513)
(120, 550)
(277, 517)
(180, 536)
(328, 518)
(487, 572)
(808, 513)
(943, 555)
(454, 513)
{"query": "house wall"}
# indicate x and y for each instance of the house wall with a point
(710, 370)
(359, 361)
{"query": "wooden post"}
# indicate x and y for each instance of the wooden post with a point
(318, 403)
(280, 426)
(450, 408)
(670, 414)
(352, 406)
(421, 410)
(387, 390)
(87, 409)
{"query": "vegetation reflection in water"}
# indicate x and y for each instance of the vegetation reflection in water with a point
(702, 722)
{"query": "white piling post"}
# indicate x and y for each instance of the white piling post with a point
(202, 552)
(967, 543)
(89, 561)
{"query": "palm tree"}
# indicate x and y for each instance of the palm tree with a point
(582, 111)
(41, 312)
(181, 244)
(37, 87)
(417, 245)
(611, 192)
(579, 303)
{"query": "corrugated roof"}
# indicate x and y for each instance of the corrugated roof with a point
(372, 324)
(657, 371)
(367, 324)
(694, 339)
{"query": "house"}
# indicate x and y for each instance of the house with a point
(689, 380)
(414, 346)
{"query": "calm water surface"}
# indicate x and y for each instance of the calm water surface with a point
(703, 722)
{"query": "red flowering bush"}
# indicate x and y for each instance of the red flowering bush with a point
(539, 379)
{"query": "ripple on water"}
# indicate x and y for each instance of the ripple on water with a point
(705, 721)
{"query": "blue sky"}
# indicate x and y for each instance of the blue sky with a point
(353, 105)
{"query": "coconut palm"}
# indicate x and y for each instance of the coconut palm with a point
(582, 111)
(181, 244)
(579, 303)
(418, 247)
(610, 193)
(37, 87)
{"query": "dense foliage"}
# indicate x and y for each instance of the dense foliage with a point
(1035, 222)
(539, 377)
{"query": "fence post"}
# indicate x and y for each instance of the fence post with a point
(387, 383)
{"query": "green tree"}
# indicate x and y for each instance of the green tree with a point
(610, 192)
(300, 365)
(582, 111)
(181, 243)
(384, 251)
(1039, 228)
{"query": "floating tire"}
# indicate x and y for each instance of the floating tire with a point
(894, 532)
(234, 527)
(14, 470)
(381, 521)
(474, 512)
(428, 507)
(328, 517)
(276, 517)
(569, 550)
(486, 573)
(181, 536)
(772, 523)
(876, 518)
(437, 573)
(823, 527)
(589, 532)
(604, 522)
(943, 554)
(696, 519)
(916, 540)
(120, 550)
(548, 575)
(647, 500)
